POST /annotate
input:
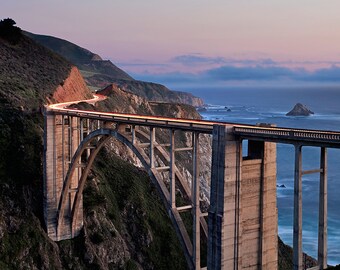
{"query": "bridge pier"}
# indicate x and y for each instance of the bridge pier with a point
(297, 227)
(196, 204)
(172, 172)
(243, 213)
(61, 140)
(322, 224)
(322, 234)
(49, 190)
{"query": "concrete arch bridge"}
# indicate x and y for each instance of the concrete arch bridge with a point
(241, 224)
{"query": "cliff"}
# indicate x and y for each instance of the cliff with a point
(157, 92)
(286, 255)
(72, 88)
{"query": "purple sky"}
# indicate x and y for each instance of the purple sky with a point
(228, 40)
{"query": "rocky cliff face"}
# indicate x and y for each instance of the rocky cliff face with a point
(286, 255)
(190, 99)
(157, 92)
(72, 88)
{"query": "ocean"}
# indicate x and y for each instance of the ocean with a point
(269, 105)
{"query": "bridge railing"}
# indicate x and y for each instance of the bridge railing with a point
(279, 134)
(142, 120)
(290, 135)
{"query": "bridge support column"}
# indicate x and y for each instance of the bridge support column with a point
(76, 139)
(224, 212)
(133, 134)
(88, 130)
(172, 170)
(152, 149)
(243, 213)
(61, 139)
(196, 203)
(322, 237)
(70, 143)
(297, 229)
(50, 193)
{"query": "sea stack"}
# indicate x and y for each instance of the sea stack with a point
(300, 110)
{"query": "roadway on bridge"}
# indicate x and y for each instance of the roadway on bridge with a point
(255, 132)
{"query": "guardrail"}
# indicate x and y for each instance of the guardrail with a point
(286, 135)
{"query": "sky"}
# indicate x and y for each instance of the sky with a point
(185, 43)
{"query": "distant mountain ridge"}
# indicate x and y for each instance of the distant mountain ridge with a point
(84, 59)
(99, 73)
(158, 92)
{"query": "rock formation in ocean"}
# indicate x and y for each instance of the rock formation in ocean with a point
(300, 110)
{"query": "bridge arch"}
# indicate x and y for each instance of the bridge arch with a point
(96, 140)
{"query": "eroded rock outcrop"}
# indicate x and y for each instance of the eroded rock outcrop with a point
(73, 88)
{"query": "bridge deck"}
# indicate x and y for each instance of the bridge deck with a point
(274, 134)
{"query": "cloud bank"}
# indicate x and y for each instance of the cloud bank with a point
(202, 70)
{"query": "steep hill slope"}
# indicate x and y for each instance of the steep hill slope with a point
(29, 74)
(82, 58)
(99, 73)
(123, 228)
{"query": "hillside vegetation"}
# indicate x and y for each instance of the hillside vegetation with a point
(29, 73)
